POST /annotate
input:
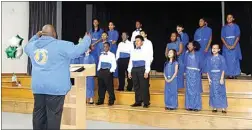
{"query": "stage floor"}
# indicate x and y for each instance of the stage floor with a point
(24, 121)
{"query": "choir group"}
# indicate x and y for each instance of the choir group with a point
(133, 59)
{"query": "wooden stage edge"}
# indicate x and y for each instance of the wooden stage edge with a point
(239, 116)
(153, 116)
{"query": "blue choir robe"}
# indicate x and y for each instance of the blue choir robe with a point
(184, 39)
(203, 35)
(215, 66)
(75, 61)
(86, 59)
(193, 81)
(171, 89)
(96, 35)
(113, 35)
(233, 57)
(175, 46)
(90, 83)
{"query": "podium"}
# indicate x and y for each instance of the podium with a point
(74, 111)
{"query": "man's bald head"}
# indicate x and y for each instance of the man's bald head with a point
(48, 30)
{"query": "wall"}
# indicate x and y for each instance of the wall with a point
(15, 20)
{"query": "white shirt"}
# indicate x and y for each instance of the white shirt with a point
(109, 58)
(126, 47)
(134, 34)
(149, 47)
(139, 55)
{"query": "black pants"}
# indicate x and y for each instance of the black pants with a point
(47, 111)
(141, 85)
(105, 82)
(122, 68)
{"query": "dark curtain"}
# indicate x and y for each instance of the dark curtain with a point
(102, 12)
(159, 19)
(242, 12)
(40, 13)
(73, 20)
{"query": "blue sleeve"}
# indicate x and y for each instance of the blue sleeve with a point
(223, 32)
(210, 33)
(165, 67)
(35, 37)
(176, 63)
(237, 31)
(74, 51)
(27, 48)
(92, 61)
(208, 65)
(100, 33)
(223, 64)
(185, 60)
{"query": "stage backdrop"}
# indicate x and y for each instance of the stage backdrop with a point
(159, 19)
(73, 20)
(41, 13)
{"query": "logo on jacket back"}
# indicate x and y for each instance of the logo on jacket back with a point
(41, 56)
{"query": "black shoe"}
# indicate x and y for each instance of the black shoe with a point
(129, 90)
(189, 109)
(145, 106)
(90, 102)
(120, 90)
(223, 111)
(231, 77)
(196, 110)
(172, 108)
(166, 108)
(99, 103)
(136, 105)
(235, 77)
(111, 103)
(214, 111)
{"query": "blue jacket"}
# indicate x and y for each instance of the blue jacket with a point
(50, 60)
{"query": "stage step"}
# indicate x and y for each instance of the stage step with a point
(17, 105)
(17, 92)
(236, 102)
(153, 116)
(23, 79)
(240, 86)
(178, 119)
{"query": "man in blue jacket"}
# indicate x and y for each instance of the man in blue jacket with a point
(50, 59)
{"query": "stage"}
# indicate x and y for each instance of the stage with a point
(239, 94)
